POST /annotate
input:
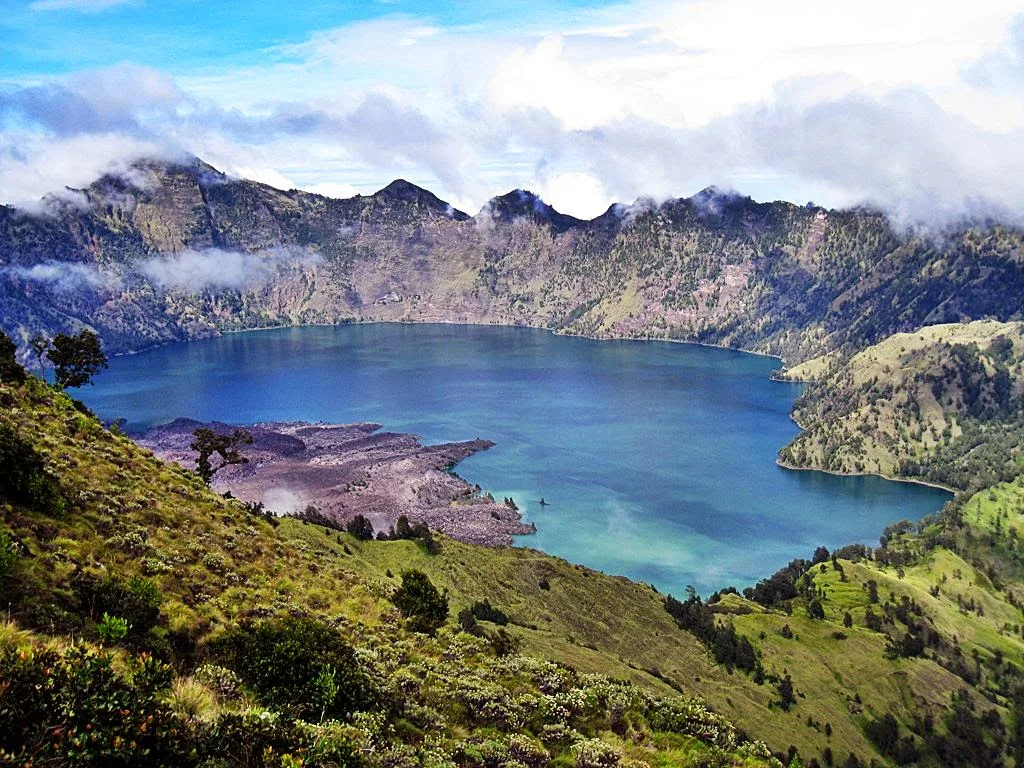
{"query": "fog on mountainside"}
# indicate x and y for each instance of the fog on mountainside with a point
(178, 251)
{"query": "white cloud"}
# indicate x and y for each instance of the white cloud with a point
(920, 114)
(35, 164)
(577, 194)
(64, 277)
(334, 189)
(216, 270)
(269, 176)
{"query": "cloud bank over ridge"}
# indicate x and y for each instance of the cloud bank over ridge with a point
(922, 115)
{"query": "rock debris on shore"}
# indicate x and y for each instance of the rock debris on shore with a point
(349, 469)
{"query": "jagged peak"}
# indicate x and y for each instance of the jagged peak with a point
(402, 191)
(522, 203)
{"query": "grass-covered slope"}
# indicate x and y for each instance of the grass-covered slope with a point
(95, 525)
(95, 530)
(943, 404)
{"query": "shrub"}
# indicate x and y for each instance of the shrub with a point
(9, 551)
(72, 707)
(214, 562)
(787, 697)
(10, 371)
(503, 643)
(24, 477)
(282, 660)
(112, 629)
(191, 700)
(594, 753)
(419, 601)
(270, 740)
(360, 527)
(484, 611)
(814, 609)
(225, 684)
(137, 601)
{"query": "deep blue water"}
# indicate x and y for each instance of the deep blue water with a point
(657, 459)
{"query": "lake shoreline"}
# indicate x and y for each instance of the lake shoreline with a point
(552, 331)
(344, 470)
(890, 478)
(628, 384)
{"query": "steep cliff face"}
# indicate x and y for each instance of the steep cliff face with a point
(177, 251)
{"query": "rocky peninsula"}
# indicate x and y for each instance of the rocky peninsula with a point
(349, 469)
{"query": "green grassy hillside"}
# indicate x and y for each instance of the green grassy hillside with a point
(95, 529)
(942, 404)
(93, 524)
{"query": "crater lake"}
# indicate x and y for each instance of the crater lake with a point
(657, 459)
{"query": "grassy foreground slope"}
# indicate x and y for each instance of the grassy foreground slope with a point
(942, 404)
(92, 524)
(124, 518)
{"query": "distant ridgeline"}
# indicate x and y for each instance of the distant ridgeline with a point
(174, 251)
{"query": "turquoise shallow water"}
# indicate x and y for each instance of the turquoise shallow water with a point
(658, 459)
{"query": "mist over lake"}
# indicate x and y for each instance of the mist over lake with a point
(657, 460)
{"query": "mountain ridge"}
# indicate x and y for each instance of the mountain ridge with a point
(715, 268)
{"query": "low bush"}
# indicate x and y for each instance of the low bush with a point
(299, 664)
(73, 707)
(136, 600)
(420, 602)
(24, 477)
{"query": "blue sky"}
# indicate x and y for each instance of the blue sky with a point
(63, 36)
(917, 107)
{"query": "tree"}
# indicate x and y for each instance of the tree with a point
(10, 371)
(40, 345)
(815, 609)
(360, 527)
(207, 443)
(76, 358)
(419, 601)
(786, 693)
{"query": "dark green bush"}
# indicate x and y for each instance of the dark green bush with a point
(299, 664)
(10, 371)
(24, 477)
(136, 600)
(258, 740)
(484, 611)
(9, 552)
(419, 601)
(360, 527)
(72, 707)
